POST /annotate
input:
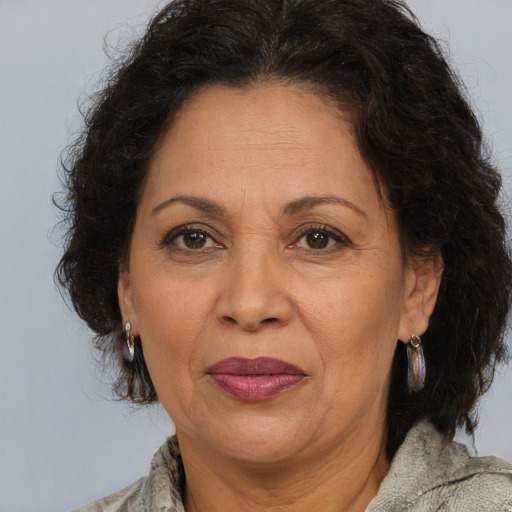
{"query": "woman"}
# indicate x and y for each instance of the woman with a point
(284, 228)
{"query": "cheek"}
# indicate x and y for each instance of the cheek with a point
(355, 343)
(357, 299)
(170, 319)
(354, 320)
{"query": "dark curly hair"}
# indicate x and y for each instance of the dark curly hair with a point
(414, 128)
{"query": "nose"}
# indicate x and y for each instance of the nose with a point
(254, 292)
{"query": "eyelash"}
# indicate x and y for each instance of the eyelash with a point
(339, 238)
(170, 237)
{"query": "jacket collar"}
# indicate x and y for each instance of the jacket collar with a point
(425, 461)
(163, 488)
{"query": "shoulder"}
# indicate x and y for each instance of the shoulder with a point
(429, 473)
(121, 501)
(486, 484)
(161, 489)
(489, 490)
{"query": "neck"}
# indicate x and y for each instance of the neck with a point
(337, 481)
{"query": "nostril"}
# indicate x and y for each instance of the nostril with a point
(249, 325)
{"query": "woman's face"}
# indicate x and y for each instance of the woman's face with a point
(265, 278)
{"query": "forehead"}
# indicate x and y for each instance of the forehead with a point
(273, 113)
(280, 140)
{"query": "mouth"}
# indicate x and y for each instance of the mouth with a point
(255, 379)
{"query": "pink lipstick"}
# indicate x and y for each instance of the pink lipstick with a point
(255, 379)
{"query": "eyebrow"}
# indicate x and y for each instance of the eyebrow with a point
(309, 202)
(199, 203)
(296, 207)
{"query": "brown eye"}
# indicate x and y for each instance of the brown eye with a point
(189, 239)
(321, 238)
(317, 240)
(194, 240)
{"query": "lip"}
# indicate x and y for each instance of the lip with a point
(256, 379)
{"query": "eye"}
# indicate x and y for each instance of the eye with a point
(192, 240)
(319, 238)
(189, 238)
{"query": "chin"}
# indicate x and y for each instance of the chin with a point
(257, 441)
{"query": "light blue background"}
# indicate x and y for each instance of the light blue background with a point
(62, 442)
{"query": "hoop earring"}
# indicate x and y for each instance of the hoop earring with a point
(130, 342)
(416, 370)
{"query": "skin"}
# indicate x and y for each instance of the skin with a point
(257, 287)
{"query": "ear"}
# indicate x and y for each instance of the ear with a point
(421, 286)
(125, 297)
